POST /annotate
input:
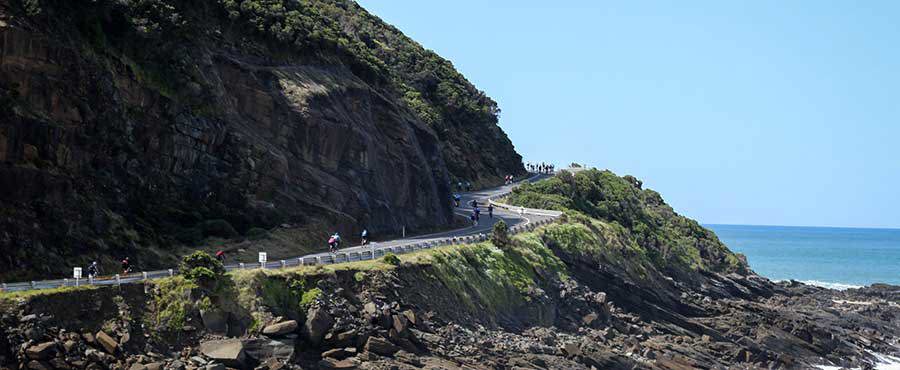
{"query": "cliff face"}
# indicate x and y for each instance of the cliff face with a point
(129, 127)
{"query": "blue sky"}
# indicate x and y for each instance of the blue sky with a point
(741, 112)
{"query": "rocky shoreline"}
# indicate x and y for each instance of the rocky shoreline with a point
(381, 325)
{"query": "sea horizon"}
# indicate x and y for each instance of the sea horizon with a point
(804, 226)
(832, 257)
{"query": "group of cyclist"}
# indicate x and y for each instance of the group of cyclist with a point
(94, 269)
(540, 168)
(334, 241)
(476, 211)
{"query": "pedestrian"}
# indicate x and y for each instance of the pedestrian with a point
(491, 210)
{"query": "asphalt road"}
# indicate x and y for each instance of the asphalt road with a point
(515, 218)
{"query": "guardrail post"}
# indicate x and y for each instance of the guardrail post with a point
(65, 282)
(4, 287)
(283, 264)
(144, 275)
(242, 265)
(118, 282)
(90, 280)
(171, 272)
(33, 284)
(318, 260)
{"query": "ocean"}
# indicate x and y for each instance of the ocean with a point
(837, 258)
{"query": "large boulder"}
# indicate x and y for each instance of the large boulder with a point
(229, 352)
(381, 346)
(43, 351)
(263, 349)
(282, 328)
(318, 322)
(107, 342)
(215, 320)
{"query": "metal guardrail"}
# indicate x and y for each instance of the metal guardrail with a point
(307, 260)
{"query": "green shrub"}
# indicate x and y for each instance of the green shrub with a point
(172, 303)
(309, 297)
(359, 276)
(391, 259)
(202, 268)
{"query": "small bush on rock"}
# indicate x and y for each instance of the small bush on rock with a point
(391, 259)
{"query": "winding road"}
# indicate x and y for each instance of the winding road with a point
(518, 219)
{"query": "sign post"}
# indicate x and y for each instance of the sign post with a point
(76, 273)
(262, 260)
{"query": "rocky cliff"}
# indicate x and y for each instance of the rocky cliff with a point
(582, 293)
(131, 127)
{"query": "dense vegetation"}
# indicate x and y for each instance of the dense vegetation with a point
(670, 240)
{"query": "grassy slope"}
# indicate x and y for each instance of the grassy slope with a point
(634, 217)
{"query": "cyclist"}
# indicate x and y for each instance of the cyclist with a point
(126, 266)
(93, 270)
(333, 242)
(220, 255)
(365, 237)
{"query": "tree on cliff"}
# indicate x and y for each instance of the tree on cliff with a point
(500, 235)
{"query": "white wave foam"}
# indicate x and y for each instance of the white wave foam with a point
(826, 284)
(885, 362)
(830, 285)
